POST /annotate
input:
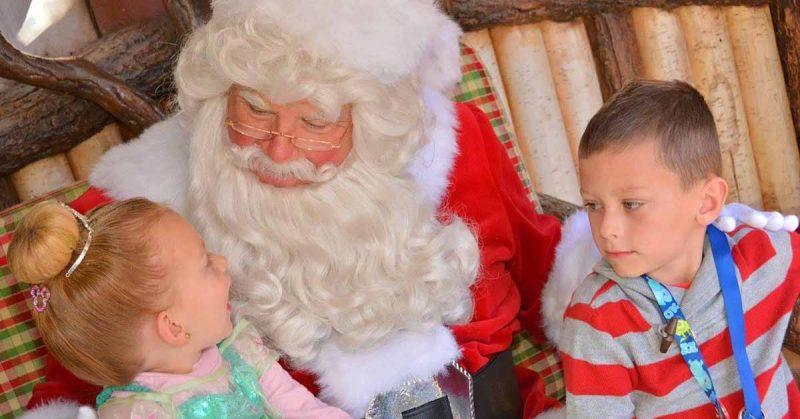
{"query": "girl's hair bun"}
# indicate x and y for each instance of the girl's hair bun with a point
(44, 242)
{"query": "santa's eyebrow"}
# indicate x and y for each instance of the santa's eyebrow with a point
(253, 98)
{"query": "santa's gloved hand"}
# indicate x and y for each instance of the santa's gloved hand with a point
(735, 213)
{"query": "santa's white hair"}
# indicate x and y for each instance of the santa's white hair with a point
(354, 258)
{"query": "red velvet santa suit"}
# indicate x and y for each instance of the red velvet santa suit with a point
(517, 250)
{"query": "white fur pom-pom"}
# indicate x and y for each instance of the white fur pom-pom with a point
(725, 223)
(743, 214)
(790, 223)
(774, 221)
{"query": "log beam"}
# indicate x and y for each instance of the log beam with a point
(37, 123)
(786, 20)
(615, 50)
(473, 15)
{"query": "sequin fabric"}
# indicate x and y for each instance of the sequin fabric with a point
(232, 392)
(454, 382)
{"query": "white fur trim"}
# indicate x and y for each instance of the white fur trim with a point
(87, 412)
(350, 380)
(60, 409)
(555, 413)
(433, 163)
(154, 166)
(576, 254)
(389, 39)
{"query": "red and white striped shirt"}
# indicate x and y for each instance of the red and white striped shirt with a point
(610, 347)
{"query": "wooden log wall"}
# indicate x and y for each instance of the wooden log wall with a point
(556, 75)
(553, 62)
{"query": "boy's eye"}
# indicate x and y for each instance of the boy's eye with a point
(591, 206)
(631, 205)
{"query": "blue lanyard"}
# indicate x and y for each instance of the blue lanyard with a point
(723, 261)
(735, 315)
(686, 342)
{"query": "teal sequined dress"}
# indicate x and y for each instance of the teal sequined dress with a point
(231, 391)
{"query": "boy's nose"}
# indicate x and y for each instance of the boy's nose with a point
(611, 227)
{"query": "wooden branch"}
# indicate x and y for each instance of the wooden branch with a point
(792, 338)
(37, 123)
(8, 195)
(786, 20)
(183, 17)
(556, 207)
(80, 78)
(479, 14)
(615, 50)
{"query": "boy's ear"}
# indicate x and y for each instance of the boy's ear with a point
(169, 331)
(714, 194)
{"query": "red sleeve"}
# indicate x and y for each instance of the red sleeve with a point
(517, 248)
(90, 200)
(60, 383)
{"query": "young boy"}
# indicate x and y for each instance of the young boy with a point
(648, 332)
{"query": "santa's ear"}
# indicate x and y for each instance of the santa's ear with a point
(170, 331)
(714, 193)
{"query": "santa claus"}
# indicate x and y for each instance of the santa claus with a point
(376, 232)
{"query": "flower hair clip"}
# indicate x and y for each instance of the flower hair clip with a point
(89, 231)
(40, 296)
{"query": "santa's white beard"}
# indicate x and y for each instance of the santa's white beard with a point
(355, 258)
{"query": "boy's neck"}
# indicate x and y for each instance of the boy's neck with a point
(684, 266)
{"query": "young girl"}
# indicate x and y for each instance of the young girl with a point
(131, 300)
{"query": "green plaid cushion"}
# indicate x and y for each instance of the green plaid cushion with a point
(22, 352)
(476, 88)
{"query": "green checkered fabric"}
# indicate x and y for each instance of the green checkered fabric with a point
(22, 352)
(476, 88)
(542, 358)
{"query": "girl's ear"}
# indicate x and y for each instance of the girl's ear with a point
(170, 331)
(714, 194)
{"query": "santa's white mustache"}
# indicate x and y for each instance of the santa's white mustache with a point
(252, 158)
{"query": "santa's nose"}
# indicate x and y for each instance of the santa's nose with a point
(280, 149)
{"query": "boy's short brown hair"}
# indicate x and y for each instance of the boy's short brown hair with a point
(671, 113)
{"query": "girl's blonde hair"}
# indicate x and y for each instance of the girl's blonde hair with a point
(91, 320)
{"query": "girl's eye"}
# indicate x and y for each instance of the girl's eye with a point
(591, 206)
(631, 205)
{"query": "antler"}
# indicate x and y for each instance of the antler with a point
(183, 16)
(80, 78)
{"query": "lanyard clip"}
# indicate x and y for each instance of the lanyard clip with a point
(668, 334)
